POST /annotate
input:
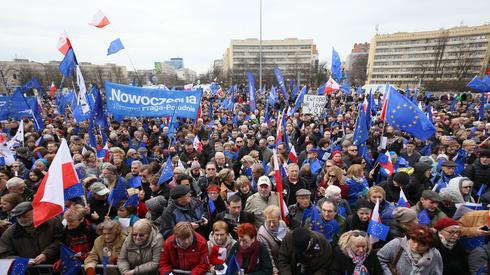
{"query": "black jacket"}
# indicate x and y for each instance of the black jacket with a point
(232, 223)
(455, 260)
(342, 264)
(478, 173)
(392, 192)
(418, 183)
(289, 190)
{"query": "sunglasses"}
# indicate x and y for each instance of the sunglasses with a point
(357, 233)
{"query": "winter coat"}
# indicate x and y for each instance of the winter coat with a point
(80, 239)
(142, 259)
(342, 264)
(175, 213)
(289, 190)
(387, 254)
(318, 256)
(392, 192)
(342, 204)
(434, 216)
(478, 173)
(227, 245)
(472, 221)
(455, 184)
(233, 222)
(45, 239)
(272, 243)
(455, 260)
(418, 183)
(101, 248)
(295, 215)
(263, 265)
(478, 258)
(256, 205)
(194, 259)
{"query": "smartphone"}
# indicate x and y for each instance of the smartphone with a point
(485, 228)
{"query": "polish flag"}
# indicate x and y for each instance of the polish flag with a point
(386, 164)
(331, 86)
(49, 200)
(385, 104)
(52, 89)
(64, 43)
(197, 144)
(99, 20)
(278, 178)
(403, 201)
(293, 157)
(487, 71)
(188, 87)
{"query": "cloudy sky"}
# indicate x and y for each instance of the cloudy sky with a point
(200, 30)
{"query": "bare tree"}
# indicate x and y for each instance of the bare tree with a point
(439, 51)
(464, 60)
(357, 75)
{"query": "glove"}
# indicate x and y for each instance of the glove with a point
(90, 271)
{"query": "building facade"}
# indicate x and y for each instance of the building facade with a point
(457, 53)
(297, 59)
(176, 62)
(359, 49)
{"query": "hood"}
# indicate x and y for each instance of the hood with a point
(419, 169)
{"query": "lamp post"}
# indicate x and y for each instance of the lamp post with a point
(260, 48)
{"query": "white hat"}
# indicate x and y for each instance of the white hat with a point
(264, 180)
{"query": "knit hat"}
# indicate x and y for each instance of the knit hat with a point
(404, 215)
(179, 191)
(213, 187)
(157, 204)
(401, 178)
(195, 164)
(445, 222)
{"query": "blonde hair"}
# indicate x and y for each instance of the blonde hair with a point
(145, 224)
(111, 225)
(76, 212)
(354, 170)
(339, 173)
(242, 180)
(376, 189)
(183, 230)
(272, 211)
(346, 240)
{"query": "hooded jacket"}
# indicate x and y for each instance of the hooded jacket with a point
(418, 183)
(478, 173)
(142, 259)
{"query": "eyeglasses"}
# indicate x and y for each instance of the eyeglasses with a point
(138, 235)
(452, 233)
(239, 141)
(332, 176)
(353, 150)
(467, 187)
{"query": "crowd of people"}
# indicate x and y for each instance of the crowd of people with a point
(221, 209)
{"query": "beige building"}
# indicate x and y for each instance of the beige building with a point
(19, 71)
(297, 58)
(405, 58)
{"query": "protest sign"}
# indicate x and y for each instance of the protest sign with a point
(314, 104)
(131, 101)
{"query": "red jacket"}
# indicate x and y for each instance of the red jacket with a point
(195, 258)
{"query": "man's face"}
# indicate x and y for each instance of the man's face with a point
(430, 205)
(210, 170)
(448, 170)
(110, 176)
(485, 160)
(328, 211)
(184, 200)
(25, 219)
(145, 175)
(262, 144)
(293, 173)
(220, 159)
(264, 190)
(303, 201)
(135, 169)
(52, 148)
(219, 237)
(410, 148)
(234, 208)
(352, 150)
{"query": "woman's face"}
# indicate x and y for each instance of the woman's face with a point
(337, 157)
(39, 165)
(272, 223)
(376, 196)
(417, 247)
(364, 214)
(213, 195)
(33, 177)
(219, 236)
(6, 206)
(245, 241)
(140, 235)
(122, 213)
(466, 187)
(336, 197)
(359, 246)
(73, 223)
(244, 188)
(109, 236)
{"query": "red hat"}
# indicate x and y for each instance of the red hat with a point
(212, 188)
(445, 222)
(335, 153)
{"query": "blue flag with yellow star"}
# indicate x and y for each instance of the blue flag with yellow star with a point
(403, 114)
(19, 266)
(70, 264)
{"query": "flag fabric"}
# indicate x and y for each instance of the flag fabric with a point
(99, 20)
(384, 105)
(280, 81)
(404, 115)
(331, 86)
(336, 67)
(292, 155)
(299, 101)
(361, 131)
(403, 201)
(479, 85)
(426, 150)
(423, 217)
(251, 91)
(471, 243)
(132, 200)
(384, 161)
(118, 193)
(33, 84)
(482, 190)
(378, 230)
(134, 182)
(345, 88)
(233, 267)
(63, 43)
(18, 139)
(167, 172)
(70, 264)
(188, 87)
(481, 109)
(374, 238)
(414, 96)
(68, 63)
(196, 143)
(311, 216)
(279, 188)
(211, 206)
(105, 262)
(272, 98)
(19, 266)
(82, 94)
(98, 113)
(294, 92)
(52, 89)
(49, 200)
(115, 46)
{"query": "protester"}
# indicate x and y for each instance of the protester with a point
(79, 235)
(219, 245)
(258, 202)
(454, 256)
(235, 215)
(429, 203)
(296, 211)
(272, 232)
(404, 220)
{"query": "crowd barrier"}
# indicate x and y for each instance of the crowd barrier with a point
(47, 269)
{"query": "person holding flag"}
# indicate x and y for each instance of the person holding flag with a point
(428, 208)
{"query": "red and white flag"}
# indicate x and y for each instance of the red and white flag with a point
(99, 20)
(188, 87)
(331, 86)
(277, 177)
(197, 144)
(49, 200)
(385, 104)
(292, 156)
(63, 43)
(52, 89)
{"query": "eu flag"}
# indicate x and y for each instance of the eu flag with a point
(299, 100)
(404, 115)
(211, 206)
(134, 182)
(479, 85)
(118, 193)
(132, 200)
(233, 266)
(378, 230)
(70, 265)
(167, 172)
(98, 110)
(74, 191)
(115, 46)
(251, 91)
(423, 217)
(272, 98)
(19, 266)
(68, 63)
(471, 243)
(336, 68)
(280, 81)
(361, 131)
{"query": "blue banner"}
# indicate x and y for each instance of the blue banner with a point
(4, 111)
(126, 100)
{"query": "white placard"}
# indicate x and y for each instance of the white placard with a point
(314, 104)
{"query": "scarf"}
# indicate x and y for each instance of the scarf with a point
(419, 261)
(445, 243)
(279, 233)
(251, 253)
(360, 268)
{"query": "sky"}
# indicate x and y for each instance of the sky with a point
(200, 30)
